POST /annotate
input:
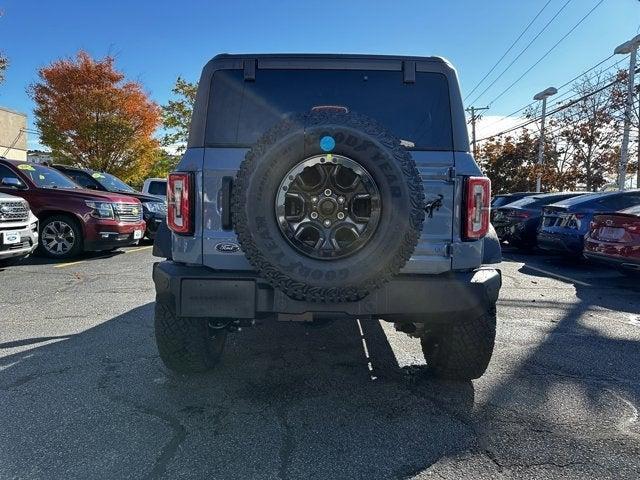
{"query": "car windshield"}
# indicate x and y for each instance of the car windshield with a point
(45, 177)
(112, 183)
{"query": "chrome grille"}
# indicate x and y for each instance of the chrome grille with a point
(14, 211)
(128, 212)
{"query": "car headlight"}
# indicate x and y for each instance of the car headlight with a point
(101, 209)
(156, 207)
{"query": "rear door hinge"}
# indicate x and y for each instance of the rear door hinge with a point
(451, 174)
(448, 250)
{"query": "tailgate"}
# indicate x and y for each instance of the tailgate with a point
(432, 255)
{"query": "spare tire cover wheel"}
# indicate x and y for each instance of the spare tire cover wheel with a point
(328, 206)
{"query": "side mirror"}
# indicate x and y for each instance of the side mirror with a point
(13, 182)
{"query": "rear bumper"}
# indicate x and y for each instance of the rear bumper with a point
(102, 235)
(559, 242)
(203, 292)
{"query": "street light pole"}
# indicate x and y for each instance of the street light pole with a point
(631, 48)
(543, 95)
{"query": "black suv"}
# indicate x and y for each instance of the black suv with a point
(154, 210)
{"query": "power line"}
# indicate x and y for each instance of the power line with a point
(508, 50)
(548, 51)
(523, 50)
(561, 87)
(556, 110)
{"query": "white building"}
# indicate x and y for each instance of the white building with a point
(13, 134)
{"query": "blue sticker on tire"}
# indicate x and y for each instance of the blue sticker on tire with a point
(327, 143)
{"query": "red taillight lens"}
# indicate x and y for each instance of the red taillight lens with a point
(478, 199)
(180, 203)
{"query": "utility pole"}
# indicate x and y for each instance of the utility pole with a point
(543, 95)
(473, 120)
(631, 48)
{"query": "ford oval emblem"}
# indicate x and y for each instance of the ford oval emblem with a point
(227, 247)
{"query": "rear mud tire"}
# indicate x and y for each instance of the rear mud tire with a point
(186, 344)
(461, 351)
(334, 280)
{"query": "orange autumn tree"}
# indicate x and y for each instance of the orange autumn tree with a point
(89, 116)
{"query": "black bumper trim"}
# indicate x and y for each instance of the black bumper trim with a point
(203, 292)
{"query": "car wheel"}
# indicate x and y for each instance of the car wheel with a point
(60, 237)
(461, 350)
(186, 344)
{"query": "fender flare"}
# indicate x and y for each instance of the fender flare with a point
(491, 249)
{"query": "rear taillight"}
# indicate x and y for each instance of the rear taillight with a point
(180, 203)
(633, 226)
(478, 199)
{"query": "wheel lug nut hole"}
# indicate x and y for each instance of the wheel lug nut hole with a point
(341, 215)
(314, 215)
(327, 192)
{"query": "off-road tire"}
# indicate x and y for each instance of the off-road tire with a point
(328, 280)
(186, 344)
(461, 350)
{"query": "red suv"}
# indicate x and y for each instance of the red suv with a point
(72, 219)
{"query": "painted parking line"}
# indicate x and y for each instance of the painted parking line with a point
(69, 264)
(138, 249)
(558, 276)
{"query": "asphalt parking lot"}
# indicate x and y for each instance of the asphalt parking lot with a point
(83, 393)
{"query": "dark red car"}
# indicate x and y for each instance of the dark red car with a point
(614, 238)
(72, 219)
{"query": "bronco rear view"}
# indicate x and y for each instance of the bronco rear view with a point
(338, 186)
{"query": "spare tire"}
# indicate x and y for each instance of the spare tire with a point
(328, 206)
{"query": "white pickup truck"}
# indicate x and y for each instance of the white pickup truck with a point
(18, 229)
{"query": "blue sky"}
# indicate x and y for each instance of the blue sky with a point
(155, 41)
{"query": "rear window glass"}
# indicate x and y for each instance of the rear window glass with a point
(542, 201)
(419, 113)
(620, 201)
(158, 188)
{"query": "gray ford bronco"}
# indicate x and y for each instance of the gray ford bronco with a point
(318, 186)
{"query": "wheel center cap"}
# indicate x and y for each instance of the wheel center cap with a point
(327, 207)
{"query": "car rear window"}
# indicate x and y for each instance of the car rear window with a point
(620, 201)
(240, 111)
(542, 200)
(158, 188)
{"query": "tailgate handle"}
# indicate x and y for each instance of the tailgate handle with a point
(225, 203)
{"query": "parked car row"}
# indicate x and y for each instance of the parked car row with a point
(65, 211)
(603, 227)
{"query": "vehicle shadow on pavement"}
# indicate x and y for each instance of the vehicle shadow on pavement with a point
(86, 256)
(566, 400)
(287, 401)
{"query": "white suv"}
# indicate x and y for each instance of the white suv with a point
(18, 229)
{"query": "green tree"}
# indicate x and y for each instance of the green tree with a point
(176, 115)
